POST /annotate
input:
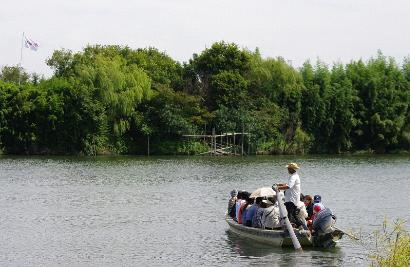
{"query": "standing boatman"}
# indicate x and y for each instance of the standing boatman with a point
(292, 193)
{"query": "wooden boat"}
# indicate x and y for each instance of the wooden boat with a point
(281, 238)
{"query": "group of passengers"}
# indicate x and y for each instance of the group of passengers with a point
(263, 212)
(254, 212)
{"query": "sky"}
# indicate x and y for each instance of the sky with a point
(297, 30)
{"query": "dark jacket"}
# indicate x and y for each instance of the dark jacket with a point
(324, 220)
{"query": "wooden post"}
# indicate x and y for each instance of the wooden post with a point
(249, 141)
(227, 140)
(205, 133)
(234, 145)
(212, 143)
(214, 140)
(242, 141)
(148, 145)
(222, 143)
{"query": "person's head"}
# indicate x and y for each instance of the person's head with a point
(258, 200)
(317, 207)
(317, 199)
(308, 200)
(292, 167)
(245, 194)
(234, 193)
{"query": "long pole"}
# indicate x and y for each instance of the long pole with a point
(284, 215)
(21, 56)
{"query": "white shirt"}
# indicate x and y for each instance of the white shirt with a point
(270, 217)
(292, 194)
(302, 210)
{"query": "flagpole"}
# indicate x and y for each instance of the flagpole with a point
(21, 56)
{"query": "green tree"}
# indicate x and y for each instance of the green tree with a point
(229, 89)
(221, 58)
(382, 108)
(15, 74)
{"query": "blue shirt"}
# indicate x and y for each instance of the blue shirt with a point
(250, 212)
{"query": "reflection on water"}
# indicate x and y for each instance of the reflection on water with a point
(164, 211)
(248, 248)
(287, 256)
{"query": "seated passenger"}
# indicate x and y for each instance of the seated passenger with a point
(317, 207)
(301, 214)
(242, 208)
(323, 221)
(257, 217)
(232, 202)
(250, 212)
(238, 204)
(317, 199)
(308, 200)
(270, 217)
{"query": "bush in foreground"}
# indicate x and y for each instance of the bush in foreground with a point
(392, 245)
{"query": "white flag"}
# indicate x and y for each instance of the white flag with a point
(30, 44)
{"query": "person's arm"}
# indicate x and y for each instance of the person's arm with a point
(291, 183)
(283, 186)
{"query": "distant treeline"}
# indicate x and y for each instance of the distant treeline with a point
(111, 99)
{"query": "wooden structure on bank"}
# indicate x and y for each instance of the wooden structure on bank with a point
(224, 143)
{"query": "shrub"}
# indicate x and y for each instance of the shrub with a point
(392, 245)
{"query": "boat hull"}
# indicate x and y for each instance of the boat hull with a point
(278, 238)
(281, 238)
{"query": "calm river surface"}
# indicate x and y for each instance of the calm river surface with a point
(169, 211)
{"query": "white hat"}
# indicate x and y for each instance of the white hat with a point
(267, 201)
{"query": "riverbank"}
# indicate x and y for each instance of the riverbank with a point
(199, 149)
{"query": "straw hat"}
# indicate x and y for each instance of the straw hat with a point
(292, 166)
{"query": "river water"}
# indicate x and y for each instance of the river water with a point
(169, 211)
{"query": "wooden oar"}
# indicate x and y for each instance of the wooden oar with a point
(349, 235)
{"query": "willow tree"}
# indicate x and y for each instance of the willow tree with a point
(119, 86)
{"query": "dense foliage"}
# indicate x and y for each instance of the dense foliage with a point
(112, 99)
